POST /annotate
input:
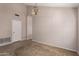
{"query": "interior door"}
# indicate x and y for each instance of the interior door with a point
(16, 30)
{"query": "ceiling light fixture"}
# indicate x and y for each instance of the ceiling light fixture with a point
(35, 9)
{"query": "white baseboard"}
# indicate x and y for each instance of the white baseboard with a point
(10, 42)
(46, 43)
(6, 43)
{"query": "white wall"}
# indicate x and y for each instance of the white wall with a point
(56, 27)
(4, 21)
(7, 12)
(29, 27)
(78, 32)
(29, 22)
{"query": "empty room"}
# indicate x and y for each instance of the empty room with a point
(39, 29)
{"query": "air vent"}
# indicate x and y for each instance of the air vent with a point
(4, 40)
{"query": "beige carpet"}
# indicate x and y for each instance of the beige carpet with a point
(37, 49)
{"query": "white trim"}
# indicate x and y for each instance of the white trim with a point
(46, 43)
(9, 43)
(6, 43)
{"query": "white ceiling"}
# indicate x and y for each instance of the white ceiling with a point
(55, 4)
